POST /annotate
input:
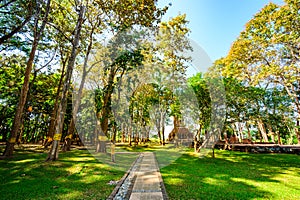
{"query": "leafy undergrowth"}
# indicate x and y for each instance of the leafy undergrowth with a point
(76, 175)
(233, 175)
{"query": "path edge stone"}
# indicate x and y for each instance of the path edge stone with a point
(116, 189)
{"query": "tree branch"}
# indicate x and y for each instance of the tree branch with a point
(6, 4)
(15, 30)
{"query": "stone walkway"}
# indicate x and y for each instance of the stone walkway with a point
(148, 183)
(143, 181)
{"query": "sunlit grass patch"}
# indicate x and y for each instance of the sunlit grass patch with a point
(76, 175)
(233, 175)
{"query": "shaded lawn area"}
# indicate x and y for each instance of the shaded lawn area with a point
(80, 175)
(233, 175)
(76, 175)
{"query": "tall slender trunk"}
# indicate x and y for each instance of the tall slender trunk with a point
(20, 136)
(271, 133)
(278, 137)
(248, 131)
(123, 133)
(147, 133)
(51, 129)
(259, 133)
(297, 130)
(239, 127)
(24, 91)
(163, 128)
(85, 71)
(262, 130)
(53, 154)
(159, 130)
(106, 109)
(114, 136)
(196, 138)
(130, 133)
(176, 124)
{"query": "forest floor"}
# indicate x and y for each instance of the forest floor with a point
(82, 174)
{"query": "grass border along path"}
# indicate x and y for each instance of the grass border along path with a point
(233, 175)
(76, 175)
(79, 175)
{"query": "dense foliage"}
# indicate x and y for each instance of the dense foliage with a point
(69, 61)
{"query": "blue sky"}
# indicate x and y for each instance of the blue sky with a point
(215, 24)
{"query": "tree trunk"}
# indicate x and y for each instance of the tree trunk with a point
(114, 136)
(297, 130)
(68, 138)
(129, 139)
(148, 134)
(100, 137)
(260, 135)
(123, 133)
(176, 124)
(53, 154)
(8, 152)
(248, 131)
(51, 130)
(163, 128)
(101, 140)
(158, 126)
(106, 109)
(196, 138)
(262, 130)
(67, 146)
(271, 133)
(240, 127)
(130, 133)
(278, 137)
(20, 136)
(159, 135)
(34, 129)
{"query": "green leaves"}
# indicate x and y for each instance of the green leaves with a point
(15, 15)
(201, 90)
(261, 70)
(41, 95)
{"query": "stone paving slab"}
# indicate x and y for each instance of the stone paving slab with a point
(148, 182)
(146, 196)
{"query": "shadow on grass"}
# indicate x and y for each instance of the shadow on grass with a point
(80, 175)
(233, 175)
(76, 175)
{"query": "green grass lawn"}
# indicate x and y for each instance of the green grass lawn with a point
(233, 175)
(76, 175)
(81, 175)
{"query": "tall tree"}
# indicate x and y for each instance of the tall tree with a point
(11, 74)
(38, 31)
(53, 154)
(94, 26)
(203, 112)
(172, 44)
(267, 52)
(125, 51)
